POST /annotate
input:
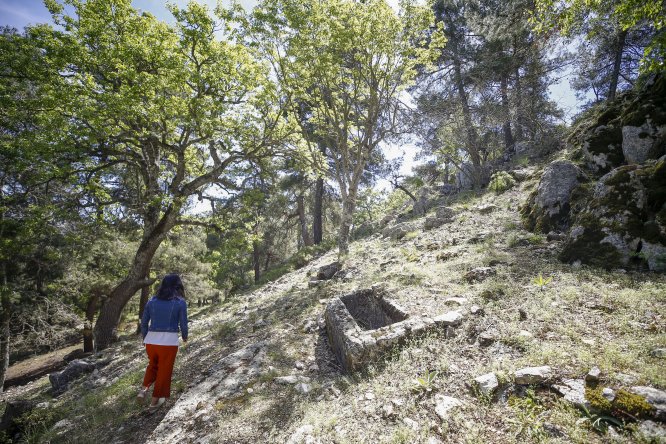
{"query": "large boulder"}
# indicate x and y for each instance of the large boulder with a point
(547, 208)
(327, 272)
(641, 143)
(60, 380)
(644, 123)
(397, 232)
(631, 129)
(624, 220)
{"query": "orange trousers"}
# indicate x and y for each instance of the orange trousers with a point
(160, 367)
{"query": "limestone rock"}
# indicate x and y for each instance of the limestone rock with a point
(533, 375)
(445, 404)
(573, 390)
(658, 353)
(479, 274)
(547, 208)
(651, 431)
(593, 375)
(624, 220)
(397, 232)
(486, 338)
(445, 213)
(608, 393)
(60, 380)
(451, 318)
(487, 384)
(486, 209)
(655, 397)
(602, 148)
(303, 435)
(641, 143)
(328, 271)
(435, 222)
(191, 412)
(476, 310)
(291, 379)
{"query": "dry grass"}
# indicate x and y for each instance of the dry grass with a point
(581, 318)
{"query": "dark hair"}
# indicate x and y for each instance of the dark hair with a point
(171, 287)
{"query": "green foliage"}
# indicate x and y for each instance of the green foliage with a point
(573, 16)
(300, 259)
(528, 413)
(343, 98)
(540, 282)
(425, 383)
(501, 181)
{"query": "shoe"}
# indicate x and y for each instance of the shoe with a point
(141, 396)
(160, 403)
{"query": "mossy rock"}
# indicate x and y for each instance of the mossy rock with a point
(547, 208)
(622, 222)
(597, 134)
(625, 405)
(602, 148)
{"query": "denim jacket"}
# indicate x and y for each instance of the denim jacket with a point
(165, 315)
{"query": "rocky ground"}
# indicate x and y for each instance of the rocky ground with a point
(545, 351)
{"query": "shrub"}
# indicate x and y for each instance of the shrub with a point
(501, 181)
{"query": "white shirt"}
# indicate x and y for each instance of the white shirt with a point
(161, 338)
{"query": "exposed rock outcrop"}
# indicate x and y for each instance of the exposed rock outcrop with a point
(624, 220)
(547, 208)
(618, 219)
(60, 380)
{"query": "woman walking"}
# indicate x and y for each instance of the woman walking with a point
(163, 315)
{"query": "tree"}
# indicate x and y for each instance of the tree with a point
(573, 17)
(608, 60)
(352, 91)
(163, 110)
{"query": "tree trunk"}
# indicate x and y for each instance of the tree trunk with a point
(256, 261)
(107, 323)
(617, 64)
(91, 309)
(519, 107)
(5, 317)
(506, 128)
(300, 206)
(318, 216)
(145, 294)
(348, 207)
(472, 137)
(318, 213)
(406, 191)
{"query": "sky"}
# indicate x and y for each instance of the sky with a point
(19, 13)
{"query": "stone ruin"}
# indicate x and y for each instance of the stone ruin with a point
(363, 324)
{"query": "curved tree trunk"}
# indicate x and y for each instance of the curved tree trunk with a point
(105, 329)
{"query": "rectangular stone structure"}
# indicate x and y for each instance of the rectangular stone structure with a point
(362, 324)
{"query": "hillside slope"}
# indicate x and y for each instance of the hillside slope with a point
(229, 381)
